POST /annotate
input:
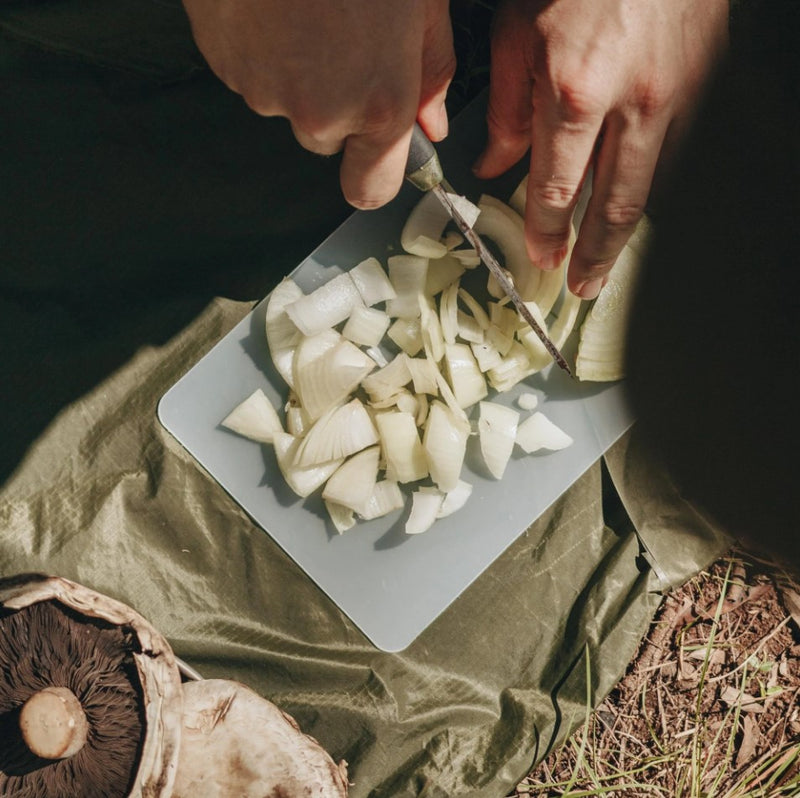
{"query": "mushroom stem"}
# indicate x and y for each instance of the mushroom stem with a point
(53, 723)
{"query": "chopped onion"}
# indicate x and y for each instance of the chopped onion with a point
(432, 338)
(448, 313)
(516, 366)
(468, 328)
(389, 380)
(601, 349)
(408, 274)
(352, 484)
(302, 480)
(423, 229)
(366, 326)
(486, 355)
(452, 239)
(341, 432)
(423, 375)
(328, 379)
(297, 420)
(442, 273)
(538, 432)
(402, 448)
(468, 257)
(466, 379)
(455, 499)
(445, 444)
(325, 306)
(282, 334)
(425, 506)
(528, 401)
(377, 355)
(371, 281)
(386, 497)
(506, 228)
(255, 418)
(481, 317)
(343, 518)
(497, 429)
(407, 334)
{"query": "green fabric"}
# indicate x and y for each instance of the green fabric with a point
(106, 497)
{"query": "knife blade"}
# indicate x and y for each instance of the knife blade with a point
(424, 170)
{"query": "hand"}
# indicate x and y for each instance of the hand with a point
(351, 76)
(603, 84)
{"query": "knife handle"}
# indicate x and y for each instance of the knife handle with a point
(423, 168)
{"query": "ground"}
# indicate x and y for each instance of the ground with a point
(709, 706)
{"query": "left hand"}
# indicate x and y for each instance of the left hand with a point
(605, 84)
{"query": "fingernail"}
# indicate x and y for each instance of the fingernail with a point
(589, 289)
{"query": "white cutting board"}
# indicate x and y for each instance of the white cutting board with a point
(391, 585)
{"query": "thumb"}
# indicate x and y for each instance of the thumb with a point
(438, 68)
(510, 101)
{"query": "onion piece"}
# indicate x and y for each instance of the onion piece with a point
(352, 484)
(366, 326)
(486, 355)
(527, 401)
(377, 355)
(601, 348)
(501, 224)
(297, 420)
(407, 334)
(464, 376)
(342, 518)
(497, 430)
(445, 445)
(386, 497)
(389, 380)
(539, 432)
(328, 379)
(423, 375)
(325, 306)
(452, 239)
(401, 446)
(467, 328)
(565, 319)
(442, 273)
(425, 506)
(282, 334)
(432, 338)
(455, 499)
(372, 282)
(468, 257)
(516, 366)
(408, 274)
(254, 418)
(302, 480)
(480, 315)
(448, 313)
(341, 432)
(424, 227)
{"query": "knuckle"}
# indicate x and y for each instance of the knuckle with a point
(554, 195)
(653, 96)
(621, 215)
(580, 97)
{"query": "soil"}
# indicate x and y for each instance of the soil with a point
(709, 706)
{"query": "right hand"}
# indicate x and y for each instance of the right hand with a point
(349, 76)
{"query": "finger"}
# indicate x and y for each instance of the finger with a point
(321, 144)
(622, 178)
(373, 165)
(564, 133)
(438, 68)
(509, 112)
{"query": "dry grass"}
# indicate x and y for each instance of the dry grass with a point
(709, 707)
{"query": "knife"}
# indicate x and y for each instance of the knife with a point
(424, 170)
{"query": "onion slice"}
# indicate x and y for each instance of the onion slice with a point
(352, 484)
(341, 432)
(497, 429)
(325, 306)
(445, 445)
(425, 506)
(282, 334)
(254, 418)
(539, 432)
